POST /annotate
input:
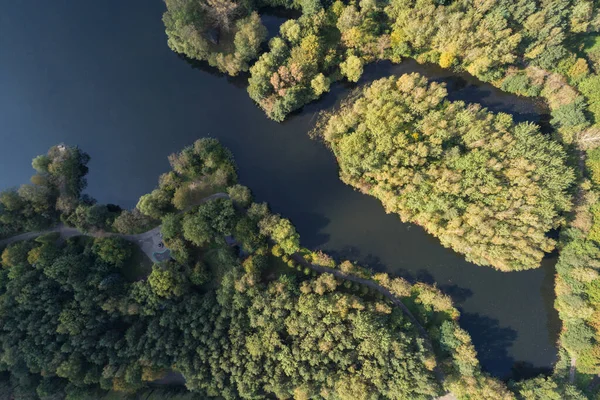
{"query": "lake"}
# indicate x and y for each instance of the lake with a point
(100, 75)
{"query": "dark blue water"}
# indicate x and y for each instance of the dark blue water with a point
(100, 75)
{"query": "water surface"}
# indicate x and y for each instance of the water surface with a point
(100, 75)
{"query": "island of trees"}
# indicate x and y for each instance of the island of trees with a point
(241, 310)
(485, 186)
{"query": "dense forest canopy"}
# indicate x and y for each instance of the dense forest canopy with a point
(75, 324)
(487, 187)
(249, 319)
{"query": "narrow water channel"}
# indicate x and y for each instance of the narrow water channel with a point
(100, 75)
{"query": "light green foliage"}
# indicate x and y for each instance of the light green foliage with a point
(226, 34)
(273, 226)
(168, 280)
(16, 254)
(113, 250)
(320, 84)
(155, 204)
(593, 164)
(484, 186)
(590, 87)
(280, 80)
(205, 161)
(594, 233)
(211, 220)
(240, 195)
(352, 68)
(577, 298)
(282, 232)
(198, 171)
(255, 264)
(542, 388)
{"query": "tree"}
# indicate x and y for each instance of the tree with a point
(352, 68)
(155, 204)
(113, 250)
(212, 220)
(168, 280)
(133, 222)
(547, 389)
(240, 195)
(171, 226)
(282, 232)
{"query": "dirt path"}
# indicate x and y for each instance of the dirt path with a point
(572, 370)
(148, 241)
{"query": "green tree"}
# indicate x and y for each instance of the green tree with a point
(211, 221)
(447, 167)
(352, 68)
(113, 250)
(240, 195)
(168, 280)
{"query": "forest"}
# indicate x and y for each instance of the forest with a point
(259, 318)
(242, 310)
(548, 49)
(485, 186)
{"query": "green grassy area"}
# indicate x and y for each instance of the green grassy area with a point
(138, 267)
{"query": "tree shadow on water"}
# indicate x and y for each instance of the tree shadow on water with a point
(491, 342)
(458, 294)
(239, 81)
(524, 370)
(310, 225)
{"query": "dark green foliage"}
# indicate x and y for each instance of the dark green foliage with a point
(212, 220)
(91, 217)
(248, 235)
(521, 85)
(168, 280)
